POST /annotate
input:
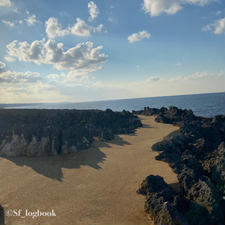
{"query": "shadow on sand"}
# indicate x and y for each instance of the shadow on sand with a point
(51, 166)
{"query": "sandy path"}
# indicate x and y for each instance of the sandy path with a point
(94, 187)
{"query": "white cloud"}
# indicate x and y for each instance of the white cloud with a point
(218, 27)
(80, 28)
(54, 29)
(8, 76)
(139, 36)
(93, 10)
(4, 3)
(31, 20)
(156, 7)
(82, 58)
(19, 77)
(8, 23)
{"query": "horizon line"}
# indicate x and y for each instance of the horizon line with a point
(25, 103)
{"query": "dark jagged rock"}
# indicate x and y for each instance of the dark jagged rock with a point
(196, 153)
(161, 201)
(214, 164)
(2, 216)
(173, 115)
(33, 132)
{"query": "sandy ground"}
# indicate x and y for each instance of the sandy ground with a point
(94, 187)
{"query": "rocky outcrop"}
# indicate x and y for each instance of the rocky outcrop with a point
(2, 216)
(196, 153)
(171, 115)
(28, 132)
(162, 203)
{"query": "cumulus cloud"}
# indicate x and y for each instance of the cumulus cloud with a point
(139, 36)
(218, 27)
(83, 57)
(156, 7)
(4, 3)
(31, 20)
(54, 29)
(80, 28)
(93, 10)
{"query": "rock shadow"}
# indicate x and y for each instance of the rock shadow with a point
(146, 126)
(51, 166)
(117, 141)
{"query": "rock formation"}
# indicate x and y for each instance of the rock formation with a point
(196, 153)
(36, 132)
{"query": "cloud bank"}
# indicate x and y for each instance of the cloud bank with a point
(82, 57)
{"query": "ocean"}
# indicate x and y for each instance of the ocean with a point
(201, 104)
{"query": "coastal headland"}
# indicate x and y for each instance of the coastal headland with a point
(196, 154)
(93, 186)
(91, 164)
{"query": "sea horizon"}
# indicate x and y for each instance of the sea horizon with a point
(205, 104)
(111, 99)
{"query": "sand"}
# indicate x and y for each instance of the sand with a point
(93, 187)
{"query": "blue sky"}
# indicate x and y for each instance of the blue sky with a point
(54, 51)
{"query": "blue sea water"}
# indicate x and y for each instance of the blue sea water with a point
(202, 104)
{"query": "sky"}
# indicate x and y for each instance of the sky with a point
(74, 51)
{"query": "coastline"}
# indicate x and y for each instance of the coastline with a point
(175, 158)
(97, 185)
(196, 153)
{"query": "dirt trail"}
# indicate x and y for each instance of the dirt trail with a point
(93, 187)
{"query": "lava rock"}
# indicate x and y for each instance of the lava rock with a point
(196, 153)
(36, 132)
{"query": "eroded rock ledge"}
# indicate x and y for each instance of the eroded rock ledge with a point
(37, 132)
(196, 153)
